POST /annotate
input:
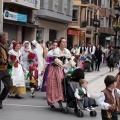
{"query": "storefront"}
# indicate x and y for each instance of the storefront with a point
(73, 37)
(50, 30)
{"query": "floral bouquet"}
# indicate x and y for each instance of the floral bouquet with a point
(75, 60)
(31, 56)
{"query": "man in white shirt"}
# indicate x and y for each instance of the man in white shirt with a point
(90, 50)
(81, 49)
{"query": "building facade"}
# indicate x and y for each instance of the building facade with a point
(18, 19)
(82, 21)
(107, 19)
(53, 18)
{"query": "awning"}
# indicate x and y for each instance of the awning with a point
(20, 23)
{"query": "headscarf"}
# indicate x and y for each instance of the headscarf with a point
(29, 46)
(15, 44)
(39, 52)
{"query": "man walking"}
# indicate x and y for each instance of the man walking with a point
(4, 72)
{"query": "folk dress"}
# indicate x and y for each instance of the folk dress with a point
(17, 74)
(54, 88)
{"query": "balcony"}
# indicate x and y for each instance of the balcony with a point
(84, 1)
(26, 3)
(83, 24)
(106, 30)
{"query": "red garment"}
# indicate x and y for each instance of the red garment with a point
(13, 59)
(36, 74)
(54, 89)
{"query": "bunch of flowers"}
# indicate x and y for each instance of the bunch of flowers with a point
(31, 56)
(75, 60)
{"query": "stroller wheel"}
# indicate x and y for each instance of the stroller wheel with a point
(80, 114)
(93, 113)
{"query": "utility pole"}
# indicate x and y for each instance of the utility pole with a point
(1, 15)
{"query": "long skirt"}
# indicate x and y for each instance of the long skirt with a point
(43, 89)
(18, 90)
(54, 88)
(105, 116)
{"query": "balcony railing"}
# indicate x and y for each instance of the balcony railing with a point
(85, 1)
(83, 24)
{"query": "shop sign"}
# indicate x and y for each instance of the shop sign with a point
(73, 32)
(15, 16)
(29, 3)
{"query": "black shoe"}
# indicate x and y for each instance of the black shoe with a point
(52, 106)
(17, 96)
(1, 106)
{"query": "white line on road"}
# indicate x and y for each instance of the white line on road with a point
(33, 106)
(19, 105)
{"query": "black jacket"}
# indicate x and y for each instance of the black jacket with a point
(98, 55)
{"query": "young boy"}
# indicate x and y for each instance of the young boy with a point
(109, 99)
(82, 94)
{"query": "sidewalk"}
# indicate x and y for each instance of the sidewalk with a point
(96, 80)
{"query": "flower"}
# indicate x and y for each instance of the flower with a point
(31, 56)
(31, 68)
(35, 64)
(75, 59)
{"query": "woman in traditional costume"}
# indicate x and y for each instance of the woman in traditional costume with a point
(25, 50)
(17, 74)
(54, 88)
(50, 59)
(40, 62)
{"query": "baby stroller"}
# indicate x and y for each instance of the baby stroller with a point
(87, 64)
(70, 84)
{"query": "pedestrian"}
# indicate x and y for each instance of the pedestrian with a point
(74, 50)
(109, 99)
(81, 49)
(4, 72)
(111, 58)
(17, 74)
(90, 51)
(50, 59)
(25, 50)
(98, 57)
(54, 89)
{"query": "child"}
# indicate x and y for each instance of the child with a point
(118, 86)
(109, 99)
(81, 94)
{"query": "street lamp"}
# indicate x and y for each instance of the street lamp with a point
(96, 24)
(116, 26)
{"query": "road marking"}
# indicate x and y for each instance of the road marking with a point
(33, 106)
(19, 105)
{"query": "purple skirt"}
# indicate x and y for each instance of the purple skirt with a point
(43, 89)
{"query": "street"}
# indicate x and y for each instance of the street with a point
(36, 108)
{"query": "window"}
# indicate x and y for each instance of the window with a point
(41, 3)
(99, 3)
(102, 22)
(68, 6)
(75, 14)
(40, 33)
(60, 4)
(50, 7)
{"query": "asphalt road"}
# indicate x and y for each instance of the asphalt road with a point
(36, 108)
